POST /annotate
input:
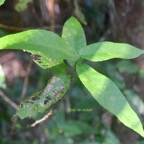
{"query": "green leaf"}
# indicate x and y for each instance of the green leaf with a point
(141, 73)
(69, 129)
(2, 2)
(78, 13)
(111, 138)
(80, 16)
(127, 66)
(48, 48)
(40, 101)
(107, 50)
(109, 96)
(135, 101)
(73, 34)
(22, 5)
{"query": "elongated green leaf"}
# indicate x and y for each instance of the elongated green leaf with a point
(2, 2)
(40, 101)
(109, 96)
(73, 34)
(48, 47)
(107, 50)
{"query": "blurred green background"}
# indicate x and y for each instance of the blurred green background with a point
(77, 118)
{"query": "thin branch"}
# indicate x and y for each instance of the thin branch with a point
(12, 27)
(8, 100)
(25, 85)
(3, 26)
(50, 6)
(41, 120)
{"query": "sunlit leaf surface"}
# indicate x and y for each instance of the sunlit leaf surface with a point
(107, 50)
(73, 34)
(47, 46)
(109, 96)
(2, 2)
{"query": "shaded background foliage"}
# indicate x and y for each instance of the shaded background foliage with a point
(112, 20)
